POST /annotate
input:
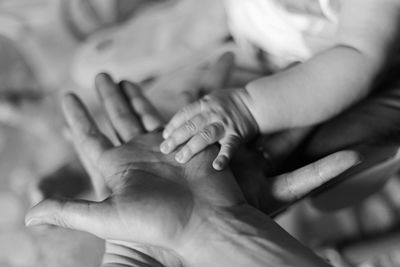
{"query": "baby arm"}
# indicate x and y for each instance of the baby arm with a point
(331, 81)
(303, 95)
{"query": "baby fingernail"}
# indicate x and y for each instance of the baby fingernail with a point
(165, 147)
(165, 134)
(181, 156)
(219, 164)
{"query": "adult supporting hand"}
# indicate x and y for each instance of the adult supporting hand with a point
(273, 194)
(253, 171)
(154, 201)
(161, 212)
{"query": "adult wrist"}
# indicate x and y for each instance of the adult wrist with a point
(243, 236)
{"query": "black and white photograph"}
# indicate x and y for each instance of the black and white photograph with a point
(193, 133)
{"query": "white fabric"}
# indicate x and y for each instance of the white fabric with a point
(288, 30)
(158, 41)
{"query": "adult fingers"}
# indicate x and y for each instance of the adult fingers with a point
(88, 141)
(184, 133)
(100, 187)
(143, 108)
(183, 115)
(120, 113)
(292, 186)
(77, 215)
(229, 145)
(207, 136)
(85, 132)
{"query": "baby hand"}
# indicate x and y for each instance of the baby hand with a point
(221, 116)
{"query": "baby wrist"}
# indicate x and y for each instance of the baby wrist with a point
(250, 125)
(265, 107)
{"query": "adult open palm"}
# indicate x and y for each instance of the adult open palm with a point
(154, 211)
(154, 200)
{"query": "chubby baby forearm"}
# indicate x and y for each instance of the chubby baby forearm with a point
(311, 92)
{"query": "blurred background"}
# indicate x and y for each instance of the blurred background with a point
(49, 47)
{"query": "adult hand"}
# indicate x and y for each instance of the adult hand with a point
(154, 201)
(272, 194)
(252, 169)
(160, 212)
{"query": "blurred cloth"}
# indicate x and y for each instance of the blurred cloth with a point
(165, 47)
(84, 17)
(287, 31)
(19, 16)
(36, 29)
(171, 41)
(162, 39)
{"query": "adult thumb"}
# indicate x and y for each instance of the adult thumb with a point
(78, 215)
(295, 185)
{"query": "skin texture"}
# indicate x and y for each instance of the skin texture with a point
(220, 117)
(156, 212)
(303, 95)
(186, 128)
(253, 169)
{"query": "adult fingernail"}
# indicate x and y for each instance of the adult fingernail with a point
(33, 222)
(165, 147)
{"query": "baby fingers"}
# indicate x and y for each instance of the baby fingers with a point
(211, 134)
(229, 145)
(184, 133)
(183, 115)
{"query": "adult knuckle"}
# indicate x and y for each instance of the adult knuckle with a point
(60, 217)
(59, 221)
